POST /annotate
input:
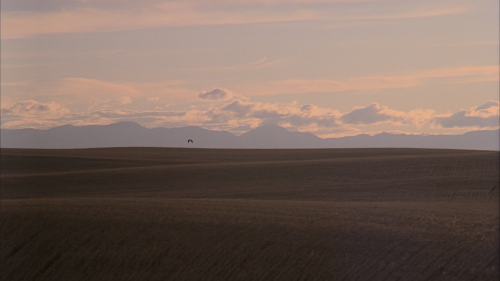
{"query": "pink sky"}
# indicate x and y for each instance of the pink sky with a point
(332, 68)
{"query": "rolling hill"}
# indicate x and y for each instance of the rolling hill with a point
(249, 214)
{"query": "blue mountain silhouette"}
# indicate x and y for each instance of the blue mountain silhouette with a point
(128, 134)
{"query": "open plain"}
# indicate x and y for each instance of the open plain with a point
(215, 214)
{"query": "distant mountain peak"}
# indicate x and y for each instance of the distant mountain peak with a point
(129, 124)
(270, 127)
(65, 126)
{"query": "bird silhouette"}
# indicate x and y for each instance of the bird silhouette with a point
(190, 141)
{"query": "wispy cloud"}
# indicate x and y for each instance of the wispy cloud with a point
(106, 16)
(25, 24)
(125, 100)
(32, 113)
(259, 64)
(91, 92)
(78, 89)
(418, 13)
(153, 99)
(34, 108)
(39, 115)
(92, 87)
(467, 74)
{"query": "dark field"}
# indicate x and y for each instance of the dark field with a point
(206, 214)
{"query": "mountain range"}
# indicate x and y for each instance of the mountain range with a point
(128, 134)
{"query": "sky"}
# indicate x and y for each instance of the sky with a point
(332, 68)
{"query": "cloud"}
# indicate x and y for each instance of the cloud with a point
(31, 113)
(245, 113)
(125, 100)
(240, 108)
(460, 119)
(306, 108)
(153, 99)
(97, 18)
(29, 18)
(488, 105)
(483, 116)
(16, 119)
(259, 64)
(119, 114)
(280, 2)
(216, 94)
(373, 83)
(39, 5)
(34, 108)
(84, 92)
(464, 74)
(235, 114)
(329, 85)
(366, 115)
(376, 114)
(93, 88)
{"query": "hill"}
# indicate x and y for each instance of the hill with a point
(230, 214)
(129, 134)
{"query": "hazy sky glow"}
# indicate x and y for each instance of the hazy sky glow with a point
(332, 68)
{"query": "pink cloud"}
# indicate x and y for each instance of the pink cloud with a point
(83, 90)
(32, 113)
(106, 16)
(153, 99)
(95, 19)
(373, 83)
(125, 100)
(245, 113)
(34, 108)
(237, 114)
(377, 114)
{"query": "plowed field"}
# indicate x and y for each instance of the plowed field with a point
(207, 214)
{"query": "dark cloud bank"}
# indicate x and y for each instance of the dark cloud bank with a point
(460, 119)
(216, 94)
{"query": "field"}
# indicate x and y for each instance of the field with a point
(208, 214)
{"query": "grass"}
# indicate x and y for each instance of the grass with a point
(202, 214)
